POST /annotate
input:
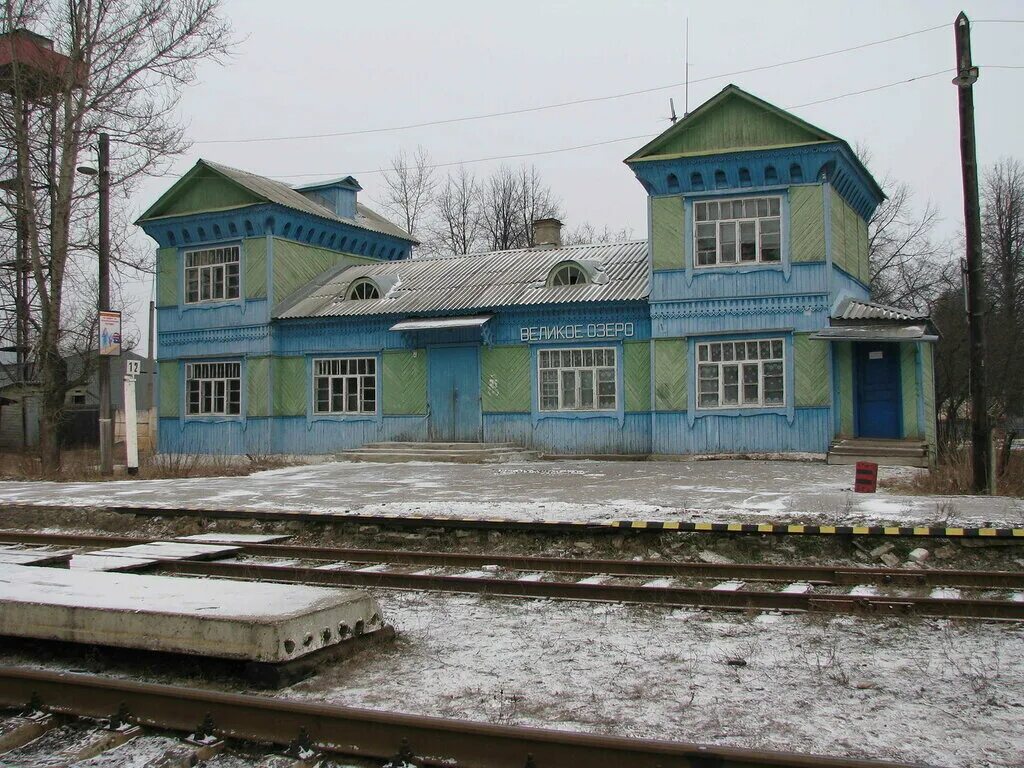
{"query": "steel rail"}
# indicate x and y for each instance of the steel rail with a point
(702, 597)
(838, 575)
(376, 734)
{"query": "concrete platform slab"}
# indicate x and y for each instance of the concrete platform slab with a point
(43, 557)
(109, 563)
(236, 538)
(251, 621)
(171, 550)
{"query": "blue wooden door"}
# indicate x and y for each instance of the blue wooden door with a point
(878, 390)
(454, 394)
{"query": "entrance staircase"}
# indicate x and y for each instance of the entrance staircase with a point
(904, 453)
(457, 453)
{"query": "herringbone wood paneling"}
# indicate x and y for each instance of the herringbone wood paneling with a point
(909, 389)
(807, 224)
(637, 375)
(505, 379)
(170, 403)
(254, 257)
(167, 277)
(289, 388)
(668, 223)
(257, 373)
(844, 354)
(404, 382)
(670, 374)
(811, 370)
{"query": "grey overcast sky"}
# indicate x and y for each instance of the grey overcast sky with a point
(323, 66)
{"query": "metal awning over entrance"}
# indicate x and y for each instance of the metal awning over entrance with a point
(894, 333)
(441, 323)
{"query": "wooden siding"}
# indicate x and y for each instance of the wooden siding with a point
(210, 193)
(806, 224)
(670, 375)
(289, 391)
(636, 375)
(811, 371)
(810, 431)
(928, 390)
(257, 375)
(254, 261)
(404, 382)
(668, 225)
(844, 355)
(166, 277)
(170, 398)
(506, 379)
(849, 237)
(909, 390)
(296, 264)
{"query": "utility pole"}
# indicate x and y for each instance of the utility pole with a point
(967, 75)
(106, 425)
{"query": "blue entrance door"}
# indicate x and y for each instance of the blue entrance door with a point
(878, 390)
(454, 394)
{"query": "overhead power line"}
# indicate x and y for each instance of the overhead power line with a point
(574, 102)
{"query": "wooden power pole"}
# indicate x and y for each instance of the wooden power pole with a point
(967, 75)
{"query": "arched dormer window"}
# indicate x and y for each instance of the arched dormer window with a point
(796, 173)
(673, 182)
(567, 273)
(697, 181)
(745, 177)
(720, 180)
(771, 176)
(363, 289)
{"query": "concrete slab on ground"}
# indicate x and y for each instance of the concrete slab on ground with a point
(717, 490)
(28, 556)
(261, 622)
(235, 538)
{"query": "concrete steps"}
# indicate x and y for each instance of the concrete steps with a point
(458, 453)
(905, 453)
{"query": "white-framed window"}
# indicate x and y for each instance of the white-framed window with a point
(211, 274)
(345, 385)
(744, 230)
(363, 289)
(213, 389)
(741, 374)
(567, 274)
(577, 379)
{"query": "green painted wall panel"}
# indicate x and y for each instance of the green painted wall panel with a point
(404, 381)
(170, 398)
(207, 193)
(734, 124)
(289, 388)
(806, 224)
(670, 374)
(636, 375)
(928, 386)
(505, 379)
(166, 277)
(910, 390)
(296, 264)
(811, 370)
(667, 223)
(844, 355)
(257, 374)
(849, 239)
(254, 258)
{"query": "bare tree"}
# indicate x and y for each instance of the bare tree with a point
(586, 234)
(510, 201)
(409, 189)
(538, 202)
(127, 62)
(456, 227)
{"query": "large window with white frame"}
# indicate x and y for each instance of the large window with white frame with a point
(213, 389)
(737, 231)
(345, 385)
(577, 379)
(741, 374)
(211, 274)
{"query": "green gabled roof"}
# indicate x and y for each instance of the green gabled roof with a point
(732, 120)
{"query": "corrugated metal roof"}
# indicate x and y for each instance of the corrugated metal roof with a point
(875, 333)
(282, 194)
(852, 309)
(476, 281)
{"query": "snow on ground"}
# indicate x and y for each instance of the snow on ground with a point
(935, 692)
(723, 490)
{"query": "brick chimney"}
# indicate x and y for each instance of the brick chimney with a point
(547, 233)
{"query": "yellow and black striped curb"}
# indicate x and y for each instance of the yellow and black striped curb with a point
(818, 530)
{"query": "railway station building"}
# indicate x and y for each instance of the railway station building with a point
(294, 319)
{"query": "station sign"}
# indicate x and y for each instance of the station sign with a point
(578, 332)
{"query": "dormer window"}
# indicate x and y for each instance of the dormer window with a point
(735, 232)
(567, 273)
(363, 289)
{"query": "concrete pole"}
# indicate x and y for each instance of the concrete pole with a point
(106, 425)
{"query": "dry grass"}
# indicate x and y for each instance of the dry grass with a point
(952, 476)
(83, 466)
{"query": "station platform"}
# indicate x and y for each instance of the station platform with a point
(254, 622)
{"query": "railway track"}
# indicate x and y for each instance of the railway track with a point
(336, 730)
(882, 591)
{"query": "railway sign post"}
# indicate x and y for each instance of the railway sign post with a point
(132, 369)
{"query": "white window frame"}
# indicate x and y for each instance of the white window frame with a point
(756, 221)
(215, 275)
(363, 382)
(562, 275)
(576, 365)
(361, 285)
(213, 380)
(703, 354)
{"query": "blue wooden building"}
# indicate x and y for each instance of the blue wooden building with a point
(292, 320)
